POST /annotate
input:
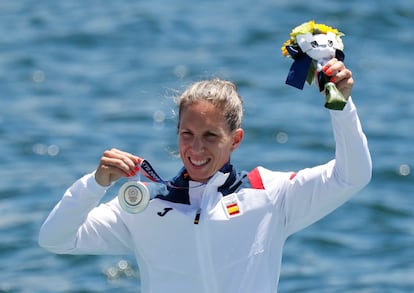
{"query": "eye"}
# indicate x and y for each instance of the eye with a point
(185, 133)
(314, 44)
(330, 43)
(210, 136)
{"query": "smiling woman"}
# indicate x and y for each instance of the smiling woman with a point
(225, 229)
(209, 128)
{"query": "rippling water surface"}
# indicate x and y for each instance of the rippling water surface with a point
(78, 77)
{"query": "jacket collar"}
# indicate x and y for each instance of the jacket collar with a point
(178, 189)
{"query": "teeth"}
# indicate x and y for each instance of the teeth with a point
(198, 163)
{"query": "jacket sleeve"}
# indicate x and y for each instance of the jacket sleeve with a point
(315, 192)
(77, 225)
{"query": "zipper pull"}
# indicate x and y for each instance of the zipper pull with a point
(197, 216)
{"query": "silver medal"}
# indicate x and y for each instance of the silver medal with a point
(133, 196)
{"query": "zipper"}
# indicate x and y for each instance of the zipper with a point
(202, 235)
(197, 216)
(208, 274)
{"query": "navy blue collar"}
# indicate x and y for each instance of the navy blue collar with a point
(178, 189)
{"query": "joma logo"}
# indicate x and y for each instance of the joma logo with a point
(163, 213)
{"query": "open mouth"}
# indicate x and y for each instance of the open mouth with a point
(199, 163)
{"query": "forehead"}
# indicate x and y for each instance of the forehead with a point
(201, 113)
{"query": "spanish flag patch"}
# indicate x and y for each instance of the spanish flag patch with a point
(231, 205)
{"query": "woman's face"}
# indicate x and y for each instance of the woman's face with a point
(205, 140)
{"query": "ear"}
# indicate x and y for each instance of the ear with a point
(237, 138)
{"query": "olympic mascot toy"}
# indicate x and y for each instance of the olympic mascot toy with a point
(311, 46)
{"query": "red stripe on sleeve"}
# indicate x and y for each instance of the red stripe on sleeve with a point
(255, 179)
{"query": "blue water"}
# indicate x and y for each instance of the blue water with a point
(78, 77)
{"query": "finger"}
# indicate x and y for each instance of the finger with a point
(114, 173)
(344, 82)
(123, 155)
(333, 67)
(331, 62)
(121, 160)
(135, 159)
(116, 165)
(105, 174)
(344, 74)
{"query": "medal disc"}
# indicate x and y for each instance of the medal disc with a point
(133, 196)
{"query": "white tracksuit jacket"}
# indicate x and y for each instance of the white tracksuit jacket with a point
(224, 253)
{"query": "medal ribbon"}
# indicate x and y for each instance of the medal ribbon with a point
(151, 174)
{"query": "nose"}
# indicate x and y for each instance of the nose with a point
(197, 145)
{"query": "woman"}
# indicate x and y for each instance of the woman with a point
(212, 229)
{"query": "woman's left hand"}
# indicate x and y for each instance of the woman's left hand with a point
(340, 75)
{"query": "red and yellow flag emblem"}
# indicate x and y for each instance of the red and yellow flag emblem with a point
(233, 209)
(231, 205)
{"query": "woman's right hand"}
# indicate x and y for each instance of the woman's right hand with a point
(115, 164)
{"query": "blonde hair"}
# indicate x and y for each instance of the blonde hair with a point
(221, 93)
